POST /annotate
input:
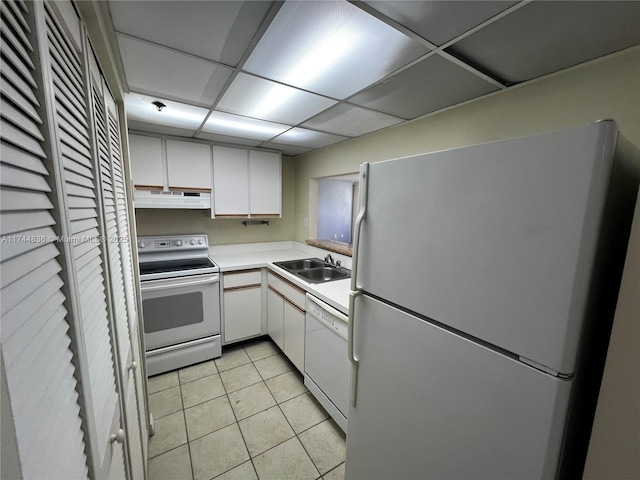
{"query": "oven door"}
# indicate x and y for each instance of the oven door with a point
(181, 309)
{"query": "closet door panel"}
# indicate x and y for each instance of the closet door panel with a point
(37, 360)
(86, 250)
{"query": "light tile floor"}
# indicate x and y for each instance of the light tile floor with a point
(246, 415)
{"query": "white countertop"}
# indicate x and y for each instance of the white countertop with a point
(240, 257)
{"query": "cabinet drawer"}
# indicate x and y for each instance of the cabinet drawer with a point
(295, 294)
(241, 278)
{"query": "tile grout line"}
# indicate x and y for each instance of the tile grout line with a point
(186, 430)
(295, 434)
(237, 421)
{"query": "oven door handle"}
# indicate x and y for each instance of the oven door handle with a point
(179, 284)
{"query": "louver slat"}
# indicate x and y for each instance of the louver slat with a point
(33, 313)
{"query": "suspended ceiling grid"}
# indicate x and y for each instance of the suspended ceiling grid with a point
(300, 75)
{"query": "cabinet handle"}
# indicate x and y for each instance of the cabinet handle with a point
(284, 280)
(242, 272)
(117, 437)
(243, 287)
(294, 305)
(133, 366)
(275, 291)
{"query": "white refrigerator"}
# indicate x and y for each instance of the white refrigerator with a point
(483, 291)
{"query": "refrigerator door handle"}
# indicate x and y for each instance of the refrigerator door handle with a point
(362, 213)
(352, 357)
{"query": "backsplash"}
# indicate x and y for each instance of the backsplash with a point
(220, 232)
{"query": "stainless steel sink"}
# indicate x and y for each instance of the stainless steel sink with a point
(314, 270)
(324, 274)
(295, 265)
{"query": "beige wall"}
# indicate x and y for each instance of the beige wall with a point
(224, 231)
(606, 88)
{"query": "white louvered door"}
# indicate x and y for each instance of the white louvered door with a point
(37, 361)
(131, 379)
(86, 255)
(71, 390)
(108, 150)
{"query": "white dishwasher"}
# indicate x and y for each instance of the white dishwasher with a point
(327, 370)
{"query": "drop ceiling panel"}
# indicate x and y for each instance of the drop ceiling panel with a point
(255, 97)
(428, 86)
(160, 129)
(543, 37)
(338, 48)
(350, 120)
(174, 114)
(290, 150)
(303, 137)
(237, 126)
(214, 137)
(439, 21)
(171, 73)
(220, 30)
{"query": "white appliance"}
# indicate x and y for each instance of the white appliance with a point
(484, 284)
(171, 199)
(180, 288)
(326, 365)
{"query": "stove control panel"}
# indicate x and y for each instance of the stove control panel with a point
(174, 242)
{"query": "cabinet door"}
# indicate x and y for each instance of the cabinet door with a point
(230, 181)
(146, 161)
(265, 184)
(242, 313)
(189, 165)
(294, 334)
(275, 317)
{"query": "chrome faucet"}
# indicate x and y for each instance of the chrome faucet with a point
(329, 259)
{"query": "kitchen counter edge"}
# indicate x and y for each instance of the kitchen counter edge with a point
(334, 293)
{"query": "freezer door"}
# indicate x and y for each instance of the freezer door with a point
(433, 405)
(496, 240)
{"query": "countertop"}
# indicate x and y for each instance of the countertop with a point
(335, 293)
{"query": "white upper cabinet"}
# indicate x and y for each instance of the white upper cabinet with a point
(265, 179)
(246, 183)
(231, 188)
(146, 161)
(189, 165)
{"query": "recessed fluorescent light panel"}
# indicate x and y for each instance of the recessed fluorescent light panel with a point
(174, 114)
(307, 138)
(237, 126)
(330, 47)
(259, 98)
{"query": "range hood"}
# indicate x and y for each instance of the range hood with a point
(171, 199)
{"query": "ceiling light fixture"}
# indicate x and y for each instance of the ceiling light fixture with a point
(234, 125)
(324, 55)
(159, 105)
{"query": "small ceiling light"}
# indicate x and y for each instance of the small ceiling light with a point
(158, 105)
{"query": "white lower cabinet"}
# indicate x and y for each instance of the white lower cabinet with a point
(294, 334)
(286, 317)
(275, 317)
(242, 305)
